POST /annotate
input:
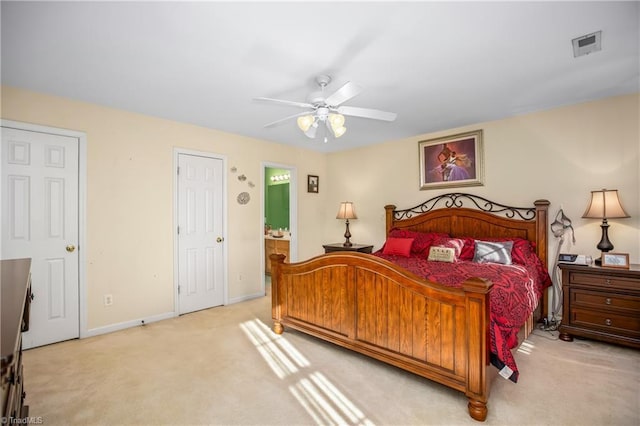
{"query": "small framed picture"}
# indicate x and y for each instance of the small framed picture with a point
(312, 183)
(615, 260)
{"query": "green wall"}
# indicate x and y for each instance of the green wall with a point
(276, 199)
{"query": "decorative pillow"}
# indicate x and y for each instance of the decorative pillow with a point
(522, 250)
(398, 246)
(455, 243)
(421, 240)
(493, 252)
(442, 254)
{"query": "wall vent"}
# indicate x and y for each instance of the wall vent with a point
(587, 44)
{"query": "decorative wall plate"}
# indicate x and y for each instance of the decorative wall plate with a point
(243, 198)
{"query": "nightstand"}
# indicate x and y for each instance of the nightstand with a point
(362, 248)
(601, 303)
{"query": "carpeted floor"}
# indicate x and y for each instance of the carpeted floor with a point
(223, 366)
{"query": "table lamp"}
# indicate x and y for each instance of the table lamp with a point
(347, 212)
(604, 205)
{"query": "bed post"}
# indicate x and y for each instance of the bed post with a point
(277, 260)
(477, 293)
(542, 248)
(542, 207)
(389, 209)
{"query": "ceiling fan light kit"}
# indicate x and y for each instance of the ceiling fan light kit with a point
(309, 123)
(329, 110)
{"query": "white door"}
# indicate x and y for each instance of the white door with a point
(40, 221)
(200, 233)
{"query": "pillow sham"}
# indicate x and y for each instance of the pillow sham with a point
(422, 241)
(493, 252)
(398, 246)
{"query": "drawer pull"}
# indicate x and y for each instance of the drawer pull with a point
(607, 281)
(607, 301)
(607, 321)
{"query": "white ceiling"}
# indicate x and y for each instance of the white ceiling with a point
(438, 65)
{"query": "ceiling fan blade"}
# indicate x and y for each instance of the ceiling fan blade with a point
(282, 101)
(300, 114)
(343, 94)
(367, 113)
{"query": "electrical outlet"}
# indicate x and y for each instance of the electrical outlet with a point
(108, 300)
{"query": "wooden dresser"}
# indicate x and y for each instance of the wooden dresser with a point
(601, 303)
(16, 298)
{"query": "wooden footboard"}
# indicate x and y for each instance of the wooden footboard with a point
(369, 305)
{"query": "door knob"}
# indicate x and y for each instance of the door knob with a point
(70, 248)
(219, 239)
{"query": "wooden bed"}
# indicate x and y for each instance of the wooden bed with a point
(369, 305)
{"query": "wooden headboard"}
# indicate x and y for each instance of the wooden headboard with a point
(466, 215)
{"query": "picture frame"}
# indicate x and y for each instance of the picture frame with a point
(452, 161)
(615, 260)
(313, 183)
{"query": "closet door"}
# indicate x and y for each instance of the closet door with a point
(40, 173)
(200, 233)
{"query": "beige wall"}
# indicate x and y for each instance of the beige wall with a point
(560, 154)
(130, 201)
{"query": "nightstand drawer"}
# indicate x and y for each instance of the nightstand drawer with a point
(603, 281)
(603, 300)
(612, 323)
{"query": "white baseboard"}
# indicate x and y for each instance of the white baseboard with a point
(134, 323)
(245, 298)
(127, 324)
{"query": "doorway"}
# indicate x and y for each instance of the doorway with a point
(279, 207)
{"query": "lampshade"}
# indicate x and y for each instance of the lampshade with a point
(305, 122)
(605, 205)
(339, 131)
(336, 120)
(346, 211)
(311, 131)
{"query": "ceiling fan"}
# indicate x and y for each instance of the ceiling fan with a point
(327, 112)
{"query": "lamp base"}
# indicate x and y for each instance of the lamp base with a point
(605, 245)
(347, 235)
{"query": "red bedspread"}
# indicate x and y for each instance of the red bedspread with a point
(515, 295)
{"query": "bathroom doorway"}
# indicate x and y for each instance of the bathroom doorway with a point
(279, 207)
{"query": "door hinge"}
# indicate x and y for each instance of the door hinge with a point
(178, 171)
(178, 230)
(178, 289)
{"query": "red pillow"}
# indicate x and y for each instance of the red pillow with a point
(422, 241)
(468, 249)
(398, 246)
